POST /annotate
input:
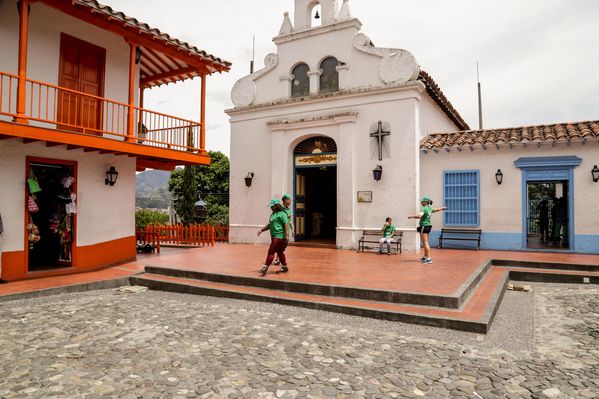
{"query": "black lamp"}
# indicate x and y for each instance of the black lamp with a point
(111, 176)
(138, 54)
(595, 173)
(499, 176)
(248, 179)
(377, 172)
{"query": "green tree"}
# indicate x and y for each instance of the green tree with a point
(211, 183)
(146, 217)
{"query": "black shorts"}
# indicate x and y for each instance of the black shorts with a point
(424, 229)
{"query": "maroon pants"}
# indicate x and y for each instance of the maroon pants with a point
(277, 246)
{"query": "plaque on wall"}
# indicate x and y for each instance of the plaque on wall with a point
(364, 196)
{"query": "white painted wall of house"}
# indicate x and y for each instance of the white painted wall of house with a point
(501, 205)
(104, 213)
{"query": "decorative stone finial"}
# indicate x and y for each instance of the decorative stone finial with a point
(287, 26)
(344, 13)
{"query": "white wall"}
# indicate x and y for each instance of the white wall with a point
(104, 213)
(501, 205)
(268, 153)
(433, 119)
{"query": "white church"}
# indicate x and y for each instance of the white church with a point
(356, 133)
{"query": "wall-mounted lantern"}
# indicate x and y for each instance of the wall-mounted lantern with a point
(595, 173)
(111, 176)
(377, 172)
(499, 176)
(248, 179)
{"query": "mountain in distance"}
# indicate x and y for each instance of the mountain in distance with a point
(152, 189)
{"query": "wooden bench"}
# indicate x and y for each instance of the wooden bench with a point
(460, 235)
(374, 236)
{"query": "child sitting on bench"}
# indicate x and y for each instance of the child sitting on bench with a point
(388, 231)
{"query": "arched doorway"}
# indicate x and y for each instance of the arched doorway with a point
(315, 189)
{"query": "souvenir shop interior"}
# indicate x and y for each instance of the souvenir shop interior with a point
(51, 210)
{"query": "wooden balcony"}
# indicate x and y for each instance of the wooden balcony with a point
(62, 116)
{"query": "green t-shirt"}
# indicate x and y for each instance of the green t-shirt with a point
(288, 212)
(425, 219)
(388, 230)
(277, 224)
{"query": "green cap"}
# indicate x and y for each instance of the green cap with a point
(286, 196)
(273, 202)
(425, 199)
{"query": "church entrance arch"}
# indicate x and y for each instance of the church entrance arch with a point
(315, 189)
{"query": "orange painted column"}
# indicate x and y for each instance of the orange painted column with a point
(131, 99)
(203, 117)
(23, 36)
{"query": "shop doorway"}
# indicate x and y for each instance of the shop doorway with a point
(548, 215)
(315, 176)
(50, 214)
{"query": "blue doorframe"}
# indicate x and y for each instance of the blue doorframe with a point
(539, 169)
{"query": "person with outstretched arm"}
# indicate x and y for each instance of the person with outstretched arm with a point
(425, 226)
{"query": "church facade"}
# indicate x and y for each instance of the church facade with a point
(356, 133)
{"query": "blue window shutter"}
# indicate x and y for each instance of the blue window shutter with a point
(461, 195)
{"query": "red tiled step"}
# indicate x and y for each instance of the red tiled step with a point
(288, 282)
(476, 315)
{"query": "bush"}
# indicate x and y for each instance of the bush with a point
(145, 217)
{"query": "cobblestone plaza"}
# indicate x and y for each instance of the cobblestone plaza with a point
(153, 344)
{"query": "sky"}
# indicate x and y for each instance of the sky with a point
(539, 59)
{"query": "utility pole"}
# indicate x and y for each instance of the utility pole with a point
(253, 53)
(480, 100)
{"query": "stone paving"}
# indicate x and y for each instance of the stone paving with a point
(158, 345)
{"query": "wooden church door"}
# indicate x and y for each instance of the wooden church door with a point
(300, 206)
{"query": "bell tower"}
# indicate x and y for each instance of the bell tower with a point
(304, 10)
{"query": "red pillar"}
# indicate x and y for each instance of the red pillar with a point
(203, 117)
(22, 85)
(131, 99)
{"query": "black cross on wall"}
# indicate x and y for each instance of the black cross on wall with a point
(379, 134)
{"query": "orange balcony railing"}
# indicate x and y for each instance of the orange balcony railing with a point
(71, 110)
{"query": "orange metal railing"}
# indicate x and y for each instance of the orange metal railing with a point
(67, 109)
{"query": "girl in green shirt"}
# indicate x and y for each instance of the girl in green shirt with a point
(425, 226)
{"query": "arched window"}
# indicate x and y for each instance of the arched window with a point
(329, 77)
(300, 85)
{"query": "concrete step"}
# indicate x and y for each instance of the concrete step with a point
(454, 301)
(475, 316)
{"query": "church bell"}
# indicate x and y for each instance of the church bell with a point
(317, 16)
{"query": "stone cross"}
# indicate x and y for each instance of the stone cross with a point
(379, 134)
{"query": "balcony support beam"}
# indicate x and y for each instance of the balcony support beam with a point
(22, 85)
(203, 117)
(131, 98)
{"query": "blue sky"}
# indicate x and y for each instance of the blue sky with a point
(539, 59)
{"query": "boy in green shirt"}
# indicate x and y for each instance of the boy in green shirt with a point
(278, 225)
(388, 231)
(425, 226)
(286, 201)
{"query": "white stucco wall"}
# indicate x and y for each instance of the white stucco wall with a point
(501, 205)
(267, 152)
(45, 27)
(433, 119)
(104, 213)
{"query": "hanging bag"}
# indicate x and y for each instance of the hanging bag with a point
(32, 205)
(32, 183)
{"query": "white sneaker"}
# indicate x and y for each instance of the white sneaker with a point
(423, 259)
(428, 261)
